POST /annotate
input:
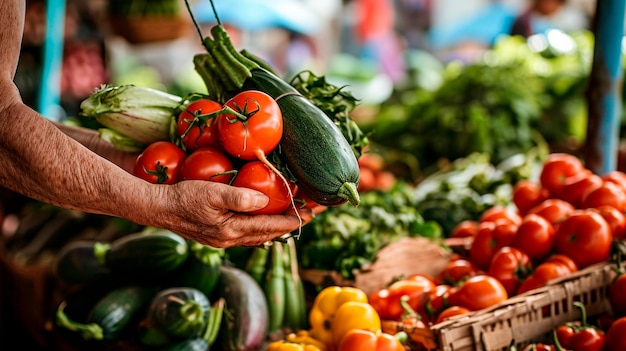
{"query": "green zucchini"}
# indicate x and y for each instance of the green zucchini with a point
(149, 253)
(201, 270)
(180, 312)
(195, 344)
(78, 262)
(114, 315)
(245, 322)
(313, 147)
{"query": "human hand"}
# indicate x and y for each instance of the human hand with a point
(214, 214)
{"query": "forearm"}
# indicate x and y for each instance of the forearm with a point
(43, 163)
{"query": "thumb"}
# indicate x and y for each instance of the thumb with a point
(243, 199)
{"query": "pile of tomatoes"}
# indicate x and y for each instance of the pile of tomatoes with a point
(226, 143)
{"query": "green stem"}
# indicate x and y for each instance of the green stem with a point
(87, 331)
(349, 192)
(214, 321)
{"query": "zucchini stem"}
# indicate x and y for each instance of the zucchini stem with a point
(87, 331)
(349, 192)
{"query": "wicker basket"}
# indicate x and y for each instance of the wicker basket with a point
(522, 319)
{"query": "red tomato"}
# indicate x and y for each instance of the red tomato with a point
(303, 201)
(256, 175)
(159, 163)
(528, 194)
(207, 164)
(451, 312)
(372, 161)
(617, 295)
(563, 260)
(615, 337)
(535, 237)
(385, 180)
(258, 129)
(367, 340)
(577, 186)
(616, 220)
(556, 169)
(483, 246)
(617, 177)
(539, 347)
(554, 210)
(456, 271)
(587, 339)
(387, 301)
(607, 194)
(542, 274)
(367, 179)
(500, 212)
(465, 229)
(585, 237)
(478, 292)
(195, 128)
(510, 266)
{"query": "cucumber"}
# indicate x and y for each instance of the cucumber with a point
(245, 321)
(179, 312)
(78, 262)
(114, 315)
(313, 147)
(146, 254)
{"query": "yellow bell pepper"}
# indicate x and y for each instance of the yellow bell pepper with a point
(354, 315)
(325, 305)
(284, 345)
(303, 337)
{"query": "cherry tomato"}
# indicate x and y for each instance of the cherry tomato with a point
(500, 212)
(528, 194)
(535, 237)
(556, 169)
(207, 163)
(256, 175)
(607, 194)
(554, 210)
(616, 220)
(257, 131)
(367, 340)
(478, 292)
(577, 186)
(194, 131)
(587, 339)
(465, 229)
(451, 312)
(617, 295)
(565, 332)
(159, 163)
(510, 266)
(615, 337)
(456, 271)
(542, 274)
(491, 236)
(414, 288)
(585, 237)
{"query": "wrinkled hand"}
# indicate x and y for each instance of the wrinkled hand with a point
(215, 214)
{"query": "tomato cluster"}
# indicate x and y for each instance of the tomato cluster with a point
(565, 221)
(372, 173)
(225, 143)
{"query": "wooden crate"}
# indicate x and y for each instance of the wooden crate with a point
(522, 319)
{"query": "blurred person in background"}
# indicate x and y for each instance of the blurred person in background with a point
(542, 15)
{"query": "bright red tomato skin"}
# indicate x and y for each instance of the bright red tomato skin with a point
(207, 164)
(562, 260)
(556, 169)
(588, 339)
(615, 337)
(201, 133)
(465, 229)
(456, 271)
(585, 237)
(542, 274)
(528, 194)
(607, 194)
(256, 175)
(616, 220)
(510, 266)
(450, 312)
(159, 163)
(617, 177)
(478, 292)
(554, 210)
(577, 186)
(535, 237)
(500, 212)
(260, 133)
